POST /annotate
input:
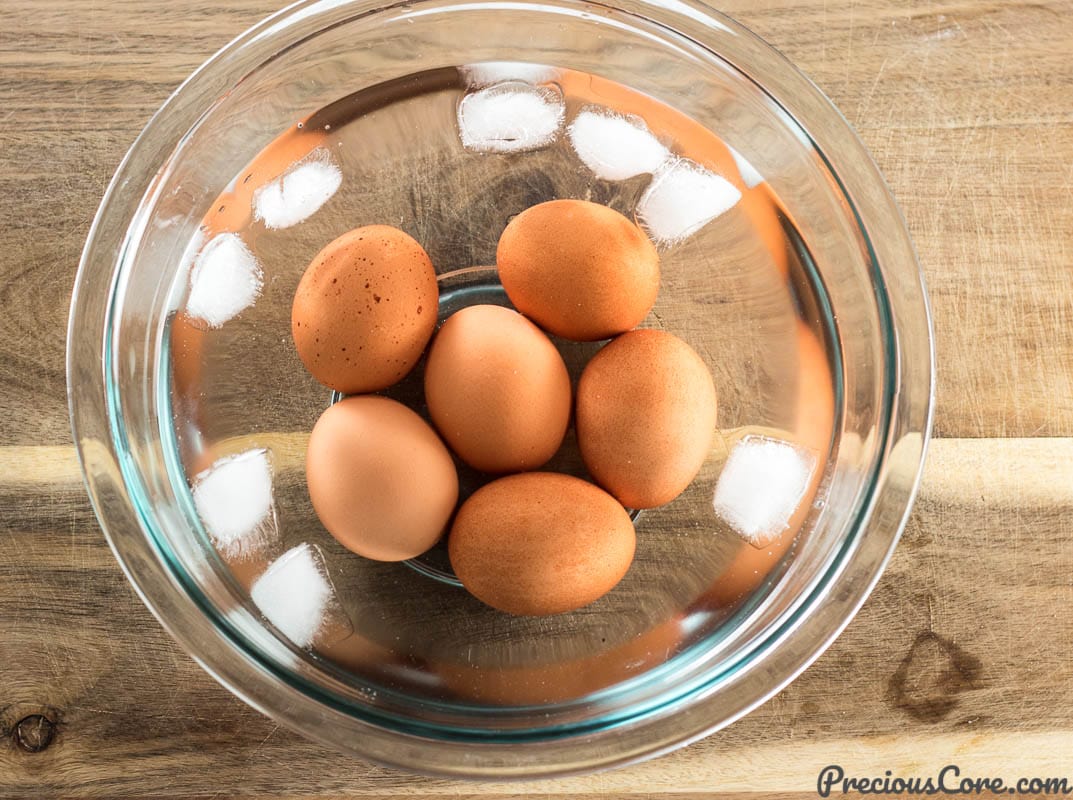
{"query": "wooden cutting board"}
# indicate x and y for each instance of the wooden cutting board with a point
(964, 653)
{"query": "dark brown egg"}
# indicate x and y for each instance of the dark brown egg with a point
(365, 309)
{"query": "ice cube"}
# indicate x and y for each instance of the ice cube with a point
(225, 280)
(233, 497)
(682, 198)
(615, 147)
(761, 485)
(295, 594)
(298, 193)
(510, 118)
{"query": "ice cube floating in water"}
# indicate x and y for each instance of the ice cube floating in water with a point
(761, 485)
(225, 279)
(295, 595)
(615, 147)
(233, 497)
(510, 117)
(298, 193)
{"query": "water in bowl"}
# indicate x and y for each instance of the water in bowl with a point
(740, 289)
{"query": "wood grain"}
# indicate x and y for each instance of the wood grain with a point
(962, 655)
(965, 107)
(915, 681)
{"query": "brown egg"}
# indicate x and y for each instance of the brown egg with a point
(380, 479)
(645, 417)
(365, 309)
(497, 390)
(578, 269)
(540, 543)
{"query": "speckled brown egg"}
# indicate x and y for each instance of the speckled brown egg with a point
(540, 543)
(579, 270)
(646, 410)
(497, 390)
(379, 478)
(365, 309)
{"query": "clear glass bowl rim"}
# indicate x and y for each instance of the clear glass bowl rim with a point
(811, 630)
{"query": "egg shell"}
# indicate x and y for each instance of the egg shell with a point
(365, 309)
(540, 543)
(497, 390)
(646, 409)
(578, 269)
(380, 479)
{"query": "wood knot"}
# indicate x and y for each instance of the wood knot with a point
(33, 733)
(930, 678)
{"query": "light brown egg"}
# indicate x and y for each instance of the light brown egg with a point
(646, 411)
(579, 270)
(380, 479)
(540, 543)
(365, 309)
(497, 390)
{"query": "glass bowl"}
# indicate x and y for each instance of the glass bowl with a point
(804, 299)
